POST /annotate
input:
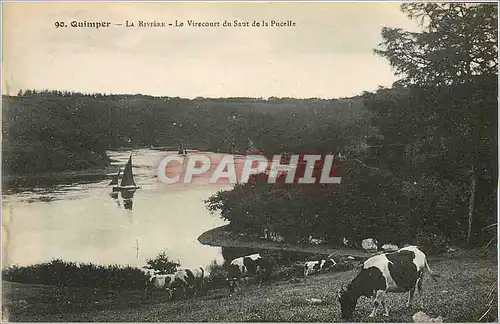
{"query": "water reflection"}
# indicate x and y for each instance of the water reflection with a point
(87, 222)
(127, 198)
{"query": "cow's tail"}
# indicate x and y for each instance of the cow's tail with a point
(202, 279)
(432, 273)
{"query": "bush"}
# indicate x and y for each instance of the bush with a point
(163, 264)
(70, 274)
(431, 243)
(217, 276)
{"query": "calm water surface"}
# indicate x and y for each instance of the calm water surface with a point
(81, 222)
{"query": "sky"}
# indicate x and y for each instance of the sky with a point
(328, 54)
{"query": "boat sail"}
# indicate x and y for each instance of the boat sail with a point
(127, 181)
(182, 150)
(116, 177)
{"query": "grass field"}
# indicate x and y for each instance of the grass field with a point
(461, 295)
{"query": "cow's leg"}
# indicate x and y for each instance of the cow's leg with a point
(376, 302)
(237, 284)
(265, 277)
(420, 292)
(410, 296)
(384, 303)
(170, 295)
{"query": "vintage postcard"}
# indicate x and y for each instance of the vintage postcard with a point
(249, 161)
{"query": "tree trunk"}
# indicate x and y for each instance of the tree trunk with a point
(471, 203)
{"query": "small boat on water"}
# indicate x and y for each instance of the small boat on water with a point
(127, 179)
(182, 150)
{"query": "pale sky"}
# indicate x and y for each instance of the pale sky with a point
(328, 54)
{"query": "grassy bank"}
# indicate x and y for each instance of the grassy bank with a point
(461, 295)
(222, 236)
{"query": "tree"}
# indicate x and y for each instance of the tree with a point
(458, 41)
(457, 48)
(163, 264)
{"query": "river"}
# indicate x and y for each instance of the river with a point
(82, 222)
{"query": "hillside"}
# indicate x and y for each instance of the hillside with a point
(460, 295)
(56, 131)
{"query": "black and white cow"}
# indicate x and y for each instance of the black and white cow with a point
(189, 281)
(317, 266)
(398, 272)
(160, 282)
(186, 281)
(249, 266)
(195, 283)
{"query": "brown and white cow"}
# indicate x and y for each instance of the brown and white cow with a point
(399, 272)
(249, 266)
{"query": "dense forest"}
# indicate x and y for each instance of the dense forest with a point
(419, 159)
(53, 130)
(423, 169)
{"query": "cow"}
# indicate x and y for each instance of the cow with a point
(199, 279)
(399, 272)
(161, 282)
(317, 266)
(189, 281)
(249, 266)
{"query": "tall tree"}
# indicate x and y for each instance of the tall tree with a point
(457, 47)
(457, 42)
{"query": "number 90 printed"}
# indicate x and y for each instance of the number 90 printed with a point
(82, 24)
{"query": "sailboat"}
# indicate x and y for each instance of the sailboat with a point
(182, 150)
(127, 180)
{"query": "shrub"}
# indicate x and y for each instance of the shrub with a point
(70, 274)
(163, 264)
(431, 243)
(217, 276)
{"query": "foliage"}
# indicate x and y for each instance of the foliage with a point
(163, 264)
(431, 243)
(217, 276)
(409, 167)
(70, 274)
(458, 41)
(53, 130)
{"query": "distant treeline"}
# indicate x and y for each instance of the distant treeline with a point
(55, 130)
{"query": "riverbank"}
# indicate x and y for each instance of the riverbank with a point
(56, 176)
(223, 237)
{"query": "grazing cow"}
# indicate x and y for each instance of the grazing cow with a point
(161, 282)
(249, 266)
(196, 285)
(317, 266)
(398, 272)
(189, 281)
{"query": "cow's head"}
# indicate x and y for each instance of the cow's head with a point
(329, 264)
(231, 284)
(347, 302)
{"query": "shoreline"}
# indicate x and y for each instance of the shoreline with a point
(58, 175)
(222, 237)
